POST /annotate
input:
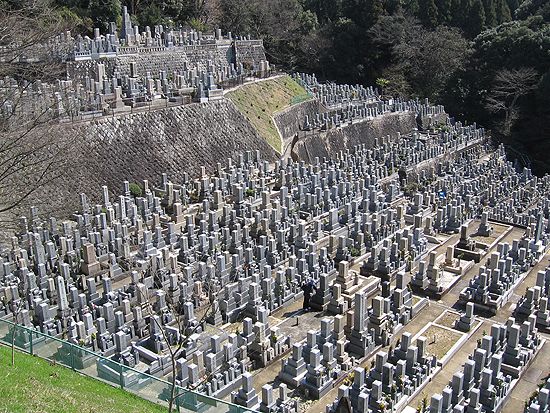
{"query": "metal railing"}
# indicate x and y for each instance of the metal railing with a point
(91, 364)
(300, 98)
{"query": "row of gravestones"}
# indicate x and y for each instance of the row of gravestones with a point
(115, 87)
(102, 94)
(131, 39)
(347, 104)
(534, 304)
(317, 364)
(540, 401)
(170, 255)
(334, 94)
(157, 237)
(535, 301)
(169, 228)
(484, 382)
(491, 371)
(502, 357)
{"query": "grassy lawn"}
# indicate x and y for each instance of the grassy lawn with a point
(36, 386)
(259, 101)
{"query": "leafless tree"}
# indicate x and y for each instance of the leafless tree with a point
(206, 11)
(17, 307)
(27, 51)
(508, 87)
(174, 349)
(31, 153)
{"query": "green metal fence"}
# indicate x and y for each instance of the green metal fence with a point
(300, 98)
(108, 371)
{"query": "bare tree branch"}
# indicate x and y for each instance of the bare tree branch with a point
(508, 87)
(184, 336)
(33, 151)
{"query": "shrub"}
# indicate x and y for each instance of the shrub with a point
(135, 189)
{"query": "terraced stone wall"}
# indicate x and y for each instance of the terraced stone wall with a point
(326, 144)
(176, 60)
(173, 140)
(249, 52)
(87, 68)
(144, 145)
(291, 119)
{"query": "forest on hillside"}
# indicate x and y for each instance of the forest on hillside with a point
(487, 61)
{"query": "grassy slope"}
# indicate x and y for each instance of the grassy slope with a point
(259, 101)
(35, 386)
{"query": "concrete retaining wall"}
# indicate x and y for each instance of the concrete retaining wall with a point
(327, 144)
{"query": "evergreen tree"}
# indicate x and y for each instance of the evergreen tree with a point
(428, 13)
(489, 8)
(171, 9)
(411, 7)
(512, 5)
(444, 9)
(150, 16)
(476, 19)
(364, 13)
(457, 13)
(325, 10)
(503, 13)
(104, 11)
(393, 6)
(461, 13)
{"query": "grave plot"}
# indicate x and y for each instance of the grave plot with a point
(539, 402)
(448, 332)
(393, 309)
(535, 302)
(488, 233)
(436, 277)
(467, 249)
(440, 340)
(323, 358)
(393, 378)
(448, 319)
(492, 371)
(492, 287)
(247, 396)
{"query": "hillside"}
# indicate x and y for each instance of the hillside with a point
(487, 61)
(258, 102)
(34, 385)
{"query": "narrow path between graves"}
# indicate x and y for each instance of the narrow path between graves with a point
(533, 374)
(429, 314)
